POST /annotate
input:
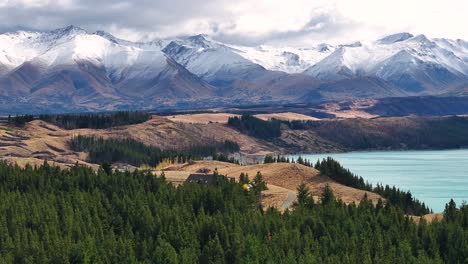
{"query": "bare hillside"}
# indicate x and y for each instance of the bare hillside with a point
(286, 176)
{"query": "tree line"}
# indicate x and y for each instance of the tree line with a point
(136, 153)
(50, 215)
(256, 127)
(19, 120)
(96, 121)
(333, 169)
(85, 120)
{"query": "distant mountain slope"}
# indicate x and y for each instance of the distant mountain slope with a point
(97, 71)
(70, 69)
(414, 63)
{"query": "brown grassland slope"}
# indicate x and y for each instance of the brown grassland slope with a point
(283, 178)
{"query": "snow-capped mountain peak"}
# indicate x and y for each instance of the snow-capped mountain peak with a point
(108, 36)
(390, 39)
(68, 30)
(74, 58)
(200, 40)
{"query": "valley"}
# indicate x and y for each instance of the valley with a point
(232, 132)
(38, 140)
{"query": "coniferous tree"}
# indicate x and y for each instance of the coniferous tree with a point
(304, 197)
(50, 215)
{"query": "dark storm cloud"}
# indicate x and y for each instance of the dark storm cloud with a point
(140, 14)
(146, 18)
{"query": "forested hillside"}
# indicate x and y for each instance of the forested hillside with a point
(136, 153)
(48, 215)
(256, 127)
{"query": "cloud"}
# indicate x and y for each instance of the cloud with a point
(252, 22)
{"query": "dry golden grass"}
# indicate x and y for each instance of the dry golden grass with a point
(357, 109)
(287, 116)
(39, 141)
(221, 118)
(283, 175)
(352, 114)
(43, 141)
(275, 197)
(429, 217)
(163, 133)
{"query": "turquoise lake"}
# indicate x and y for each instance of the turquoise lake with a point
(433, 177)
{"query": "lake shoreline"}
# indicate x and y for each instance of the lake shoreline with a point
(432, 176)
(375, 150)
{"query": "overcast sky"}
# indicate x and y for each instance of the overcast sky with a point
(248, 22)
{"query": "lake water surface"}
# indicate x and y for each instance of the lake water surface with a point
(433, 177)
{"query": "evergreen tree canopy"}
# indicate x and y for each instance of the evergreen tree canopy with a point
(50, 215)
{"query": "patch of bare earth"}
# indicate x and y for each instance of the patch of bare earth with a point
(352, 109)
(206, 118)
(38, 141)
(429, 217)
(287, 116)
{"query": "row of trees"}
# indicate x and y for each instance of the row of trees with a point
(137, 153)
(397, 197)
(256, 127)
(90, 120)
(331, 168)
(49, 215)
(96, 121)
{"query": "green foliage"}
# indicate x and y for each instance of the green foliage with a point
(19, 120)
(137, 153)
(304, 196)
(91, 120)
(256, 127)
(269, 159)
(96, 121)
(49, 215)
(244, 178)
(259, 185)
(334, 170)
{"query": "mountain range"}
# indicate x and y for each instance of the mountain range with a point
(70, 69)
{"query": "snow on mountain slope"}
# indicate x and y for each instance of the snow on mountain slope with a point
(76, 67)
(16, 48)
(209, 59)
(423, 62)
(390, 39)
(68, 45)
(286, 59)
(348, 61)
(72, 64)
(21, 46)
(458, 47)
